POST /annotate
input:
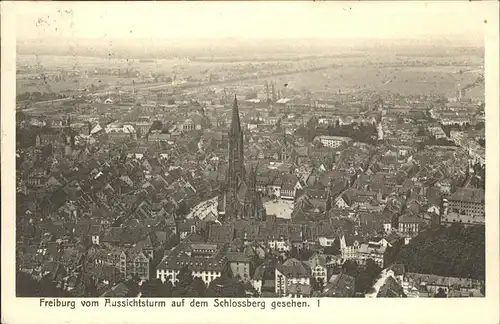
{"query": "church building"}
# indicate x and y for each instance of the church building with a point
(239, 196)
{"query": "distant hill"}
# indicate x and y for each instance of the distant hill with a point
(233, 48)
(454, 251)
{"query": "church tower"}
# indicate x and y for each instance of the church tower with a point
(236, 171)
(236, 168)
(238, 196)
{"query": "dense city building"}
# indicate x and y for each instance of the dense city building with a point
(326, 179)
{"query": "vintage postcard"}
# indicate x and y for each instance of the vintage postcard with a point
(230, 162)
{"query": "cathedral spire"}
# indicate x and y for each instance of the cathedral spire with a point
(236, 167)
(239, 197)
(235, 121)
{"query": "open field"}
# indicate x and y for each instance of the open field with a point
(406, 81)
(69, 62)
(73, 84)
(354, 72)
(401, 80)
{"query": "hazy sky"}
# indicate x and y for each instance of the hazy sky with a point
(249, 20)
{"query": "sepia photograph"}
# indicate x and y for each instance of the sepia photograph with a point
(283, 151)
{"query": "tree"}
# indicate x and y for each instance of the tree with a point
(187, 286)
(391, 253)
(184, 277)
(133, 286)
(366, 278)
(440, 294)
(197, 288)
(182, 210)
(317, 284)
(90, 286)
(350, 268)
(167, 288)
(363, 282)
(305, 254)
(372, 268)
(334, 249)
(454, 251)
(226, 287)
(26, 286)
(157, 288)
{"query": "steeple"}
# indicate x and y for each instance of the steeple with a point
(236, 168)
(235, 121)
(239, 197)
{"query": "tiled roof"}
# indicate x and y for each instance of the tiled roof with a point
(294, 268)
(236, 257)
(341, 285)
(120, 290)
(468, 195)
(194, 238)
(410, 219)
(370, 248)
(390, 289)
(350, 239)
(264, 271)
(299, 289)
(430, 279)
(317, 260)
(95, 229)
(221, 233)
(179, 257)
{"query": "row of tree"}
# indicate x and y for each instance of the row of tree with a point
(364, 276)
(455, 251)
(27, 286)
(462, 127)
(435, 142)
(359, 132)
(39, 96)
